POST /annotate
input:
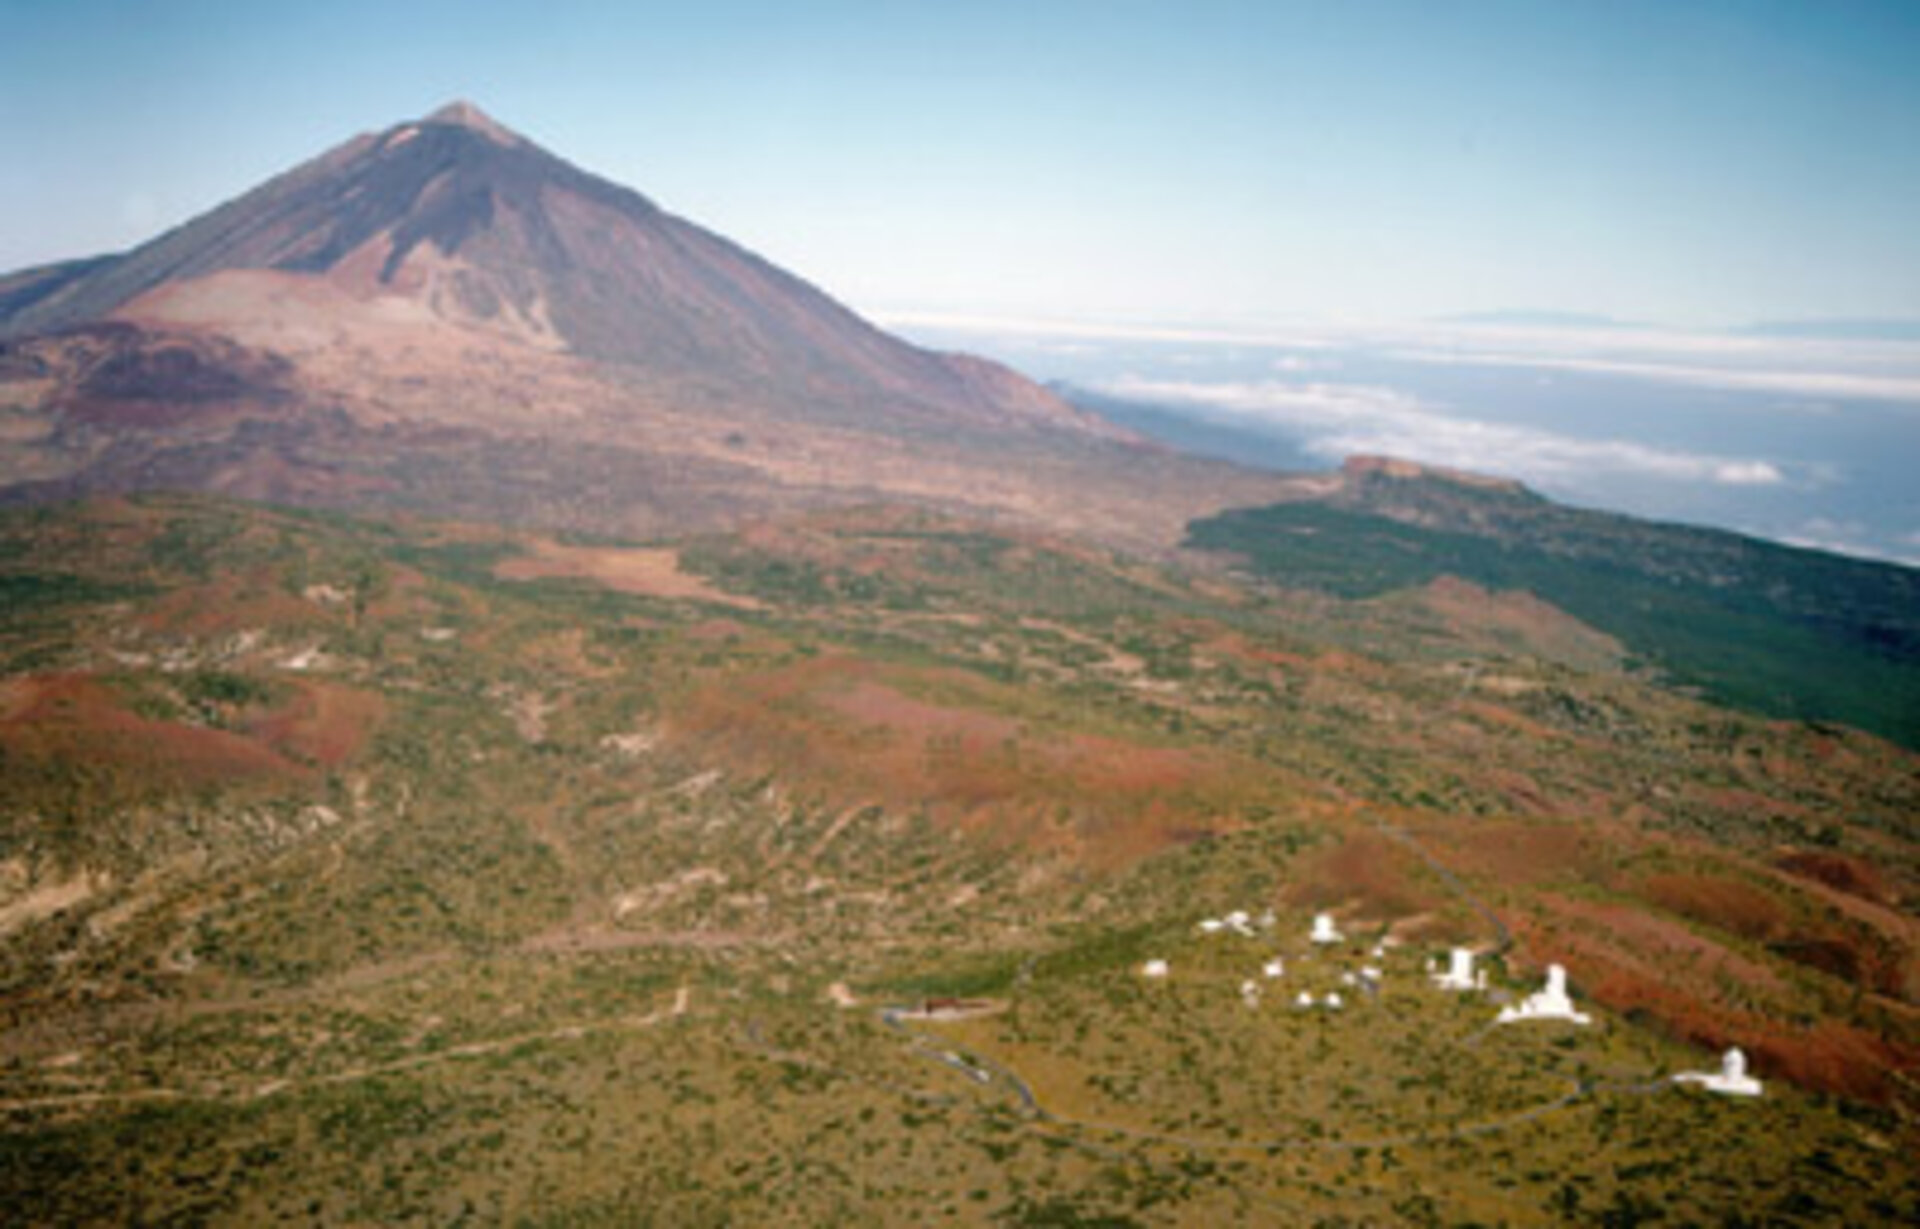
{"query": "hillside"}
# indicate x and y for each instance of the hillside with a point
(410, 871)
(1781, 631)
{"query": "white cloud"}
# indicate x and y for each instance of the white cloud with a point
(1748, 473)
(1793, 367)
(1341, 420)
(1296, 364)
(1802, 383)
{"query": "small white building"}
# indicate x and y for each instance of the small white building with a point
(1154, 968)
(1731, 1080)
(1324, 930)
(1303, 999)
(1250, 992)
(1459, 974)
(1549, 1003)
(1273, 968)
(1334, 1001)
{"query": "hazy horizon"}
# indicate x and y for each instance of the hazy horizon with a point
(1805, 440)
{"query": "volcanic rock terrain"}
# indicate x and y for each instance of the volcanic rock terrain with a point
(445, 318)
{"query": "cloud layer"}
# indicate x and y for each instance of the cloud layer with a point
(1340, 420)
(1851, 385)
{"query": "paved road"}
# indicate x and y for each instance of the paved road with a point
(1450, 879)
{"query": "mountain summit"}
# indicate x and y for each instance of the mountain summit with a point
(464, 114)
(485, 228)
(462, 293)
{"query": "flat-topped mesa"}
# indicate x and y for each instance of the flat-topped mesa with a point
(1361, 467)
(462, 114)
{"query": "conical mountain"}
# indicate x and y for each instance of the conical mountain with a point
(487, 226)
(447, 318)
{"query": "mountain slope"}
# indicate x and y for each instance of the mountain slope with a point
(1777, 629)
(460, 323)
(490, 228)
(384, 872)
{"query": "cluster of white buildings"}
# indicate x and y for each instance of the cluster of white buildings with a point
(1245, 924)
(1551, 1002)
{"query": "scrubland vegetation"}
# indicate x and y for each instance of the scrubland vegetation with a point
(354, 873)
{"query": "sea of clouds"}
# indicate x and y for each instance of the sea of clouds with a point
(1812, 441)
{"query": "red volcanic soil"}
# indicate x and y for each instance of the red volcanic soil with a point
(1235, 646)
(1729, 904)
(75, 724)
(1489, 713)
(856, 732)
(649, 572)
(1865, 947)
(73, 718)
(718, 631)
(1707, 949)
(875, 704)
(1703, 992)
(229, 604)
(1519, 853)
(1367, 869)
(1837, 870)
(1835, 1057)
(1646, 941)
(324, 724)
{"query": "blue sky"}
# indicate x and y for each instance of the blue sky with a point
(1687, 163)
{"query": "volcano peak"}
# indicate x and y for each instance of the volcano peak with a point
(462, 114)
